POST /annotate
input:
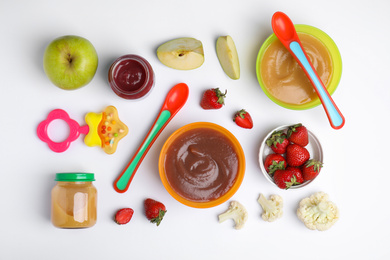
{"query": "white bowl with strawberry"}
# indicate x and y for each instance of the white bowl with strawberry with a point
(291, 157)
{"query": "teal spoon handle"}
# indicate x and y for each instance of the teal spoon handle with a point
(335, 117)
(123, 181)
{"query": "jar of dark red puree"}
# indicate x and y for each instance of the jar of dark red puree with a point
(131, 76)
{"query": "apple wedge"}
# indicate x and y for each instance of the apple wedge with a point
(228, 56)
(182, 53)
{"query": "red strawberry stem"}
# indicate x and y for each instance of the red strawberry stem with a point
(241, 113)
(276, 137)
(157, 220)
(292, 129)
(221, 97)
(292, 182)
(276, 166)
(317, 165)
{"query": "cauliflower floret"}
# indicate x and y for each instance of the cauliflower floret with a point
(237, 212)
(317, 212)
(273, 208)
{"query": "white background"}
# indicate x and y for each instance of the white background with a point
(355, 174)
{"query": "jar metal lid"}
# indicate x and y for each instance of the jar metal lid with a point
(75, 177)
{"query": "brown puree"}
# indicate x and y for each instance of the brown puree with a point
(201, 165)
(284, 78)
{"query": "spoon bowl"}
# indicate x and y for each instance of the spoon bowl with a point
(176, 98)
(285, 30)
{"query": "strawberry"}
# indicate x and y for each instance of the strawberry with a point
(297, 173)
(274, 162)
(297, 134)
(296, 155)
(123, 216)
(278, 142)
(243, 119)
(212, 99)
(284, 179)
(311, 169)
(154, 211)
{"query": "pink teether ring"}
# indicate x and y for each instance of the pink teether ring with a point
(74, 130)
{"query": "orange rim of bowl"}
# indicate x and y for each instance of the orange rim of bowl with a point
(241, 165)
(336, 62)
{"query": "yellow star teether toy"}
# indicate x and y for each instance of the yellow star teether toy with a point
(107, 129)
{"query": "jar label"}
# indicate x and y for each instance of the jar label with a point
(80, 207)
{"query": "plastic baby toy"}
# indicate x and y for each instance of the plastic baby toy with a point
(102, 129)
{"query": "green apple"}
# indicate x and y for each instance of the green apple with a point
(182, 53)
(70, 62)
(228, 56)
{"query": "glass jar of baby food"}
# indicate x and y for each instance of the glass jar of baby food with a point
(131, 77)
(74, 200)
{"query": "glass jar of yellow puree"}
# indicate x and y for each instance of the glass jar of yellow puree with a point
(74, 200)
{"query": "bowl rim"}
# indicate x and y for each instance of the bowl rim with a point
(241, 165)
(263, 146)
(335, 57)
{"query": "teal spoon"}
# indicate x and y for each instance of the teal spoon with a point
(284, 29)
(175, 100)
